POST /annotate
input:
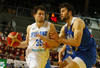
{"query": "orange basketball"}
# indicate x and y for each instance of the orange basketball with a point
(14, 39)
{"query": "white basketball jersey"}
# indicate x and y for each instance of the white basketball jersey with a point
(35, 44)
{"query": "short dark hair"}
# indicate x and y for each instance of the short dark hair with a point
(67, 6)
(37, 8)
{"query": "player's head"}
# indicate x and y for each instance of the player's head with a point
(39, 13)
(66, 10)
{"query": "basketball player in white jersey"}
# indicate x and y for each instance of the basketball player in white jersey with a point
(36, 55)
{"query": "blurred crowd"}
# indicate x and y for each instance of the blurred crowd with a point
(50, 6)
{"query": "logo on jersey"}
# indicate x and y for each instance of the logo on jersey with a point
(69, 36)
(44, 33)
(91, 35)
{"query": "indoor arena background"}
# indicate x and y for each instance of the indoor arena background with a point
(21, 11)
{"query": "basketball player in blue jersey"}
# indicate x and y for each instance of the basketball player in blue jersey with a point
(36, 55)
(80, 38)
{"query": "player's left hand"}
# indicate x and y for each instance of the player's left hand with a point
(44, 39)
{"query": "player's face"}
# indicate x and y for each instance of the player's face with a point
(64, 14)
(39, 16)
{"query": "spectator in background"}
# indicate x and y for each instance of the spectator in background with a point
(6, 32)
(0, 51)
(4, 25)
(78, 15)
(1, 34)
(22, 58)
(12, 24)
(12, 65)
(99, 22)
(93, 66)
(97, 45)
(11, 30)
(0, 41)
(56, 58)
(98, 65)
(97, 62)
(22, 66)
(48, 6)
(6, 53)
(87, 22)
(24, 37)
(21, 33)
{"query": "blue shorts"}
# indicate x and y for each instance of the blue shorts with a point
(89, 57)
(48, 64)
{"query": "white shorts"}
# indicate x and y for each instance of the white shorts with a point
(69, 59)
(36, 60)
(80, 62)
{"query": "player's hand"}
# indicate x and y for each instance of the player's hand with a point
(60, 61)
(54, 35)
(48, 46)
(45, 45)
(43, 38)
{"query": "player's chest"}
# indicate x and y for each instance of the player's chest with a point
(38, 31)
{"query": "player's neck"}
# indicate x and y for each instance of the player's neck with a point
(39, 24)
(69, 20)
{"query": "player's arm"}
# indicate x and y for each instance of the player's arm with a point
(54, 42)
(24, 44)
(51, 42)
(78, 27)
(60, 53)
(62, 32)
(53, 32)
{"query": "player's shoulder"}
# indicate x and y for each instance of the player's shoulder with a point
(28, 27)
(47, 22)
(79, 22)
(33, 24)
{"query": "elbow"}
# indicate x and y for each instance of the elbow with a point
(77, 43)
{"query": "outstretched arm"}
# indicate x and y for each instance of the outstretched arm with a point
(24, 44)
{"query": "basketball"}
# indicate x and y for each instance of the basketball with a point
(14, 39)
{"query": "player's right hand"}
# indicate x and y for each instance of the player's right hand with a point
(60, 61)
(45, 45)
(54, 35)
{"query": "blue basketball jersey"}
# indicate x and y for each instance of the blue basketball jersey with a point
(69, 52)
(86, 49)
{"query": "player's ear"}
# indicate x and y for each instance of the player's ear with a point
(70, 12)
